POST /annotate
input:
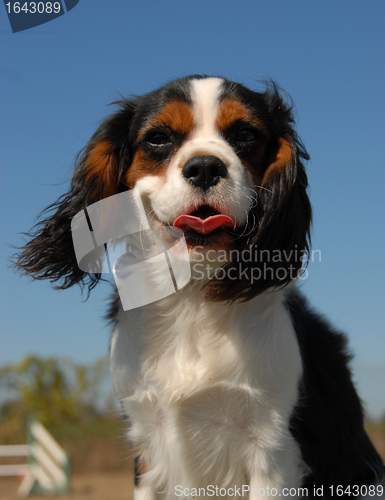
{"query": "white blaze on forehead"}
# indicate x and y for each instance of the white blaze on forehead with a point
(205, 95)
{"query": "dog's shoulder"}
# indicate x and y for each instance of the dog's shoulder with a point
(328, 421)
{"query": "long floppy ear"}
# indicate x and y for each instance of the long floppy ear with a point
(284, 229)
(279, 233)
(49, 254)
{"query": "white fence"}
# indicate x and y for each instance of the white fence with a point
(48, 467)
(17, 450)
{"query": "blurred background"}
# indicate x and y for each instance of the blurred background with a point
(56, 83)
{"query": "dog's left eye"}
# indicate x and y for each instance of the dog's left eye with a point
(158, 139)
(245, 135)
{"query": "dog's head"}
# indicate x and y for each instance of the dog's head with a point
(209, 156)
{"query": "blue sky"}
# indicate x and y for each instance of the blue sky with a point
(57, 80)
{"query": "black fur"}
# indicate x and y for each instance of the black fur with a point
(328, 420)
(136, 472)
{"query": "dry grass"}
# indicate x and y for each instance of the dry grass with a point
(92, 454)
(376, 432)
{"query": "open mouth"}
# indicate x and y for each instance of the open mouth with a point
(204, 226)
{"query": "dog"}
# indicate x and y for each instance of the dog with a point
(233, 385)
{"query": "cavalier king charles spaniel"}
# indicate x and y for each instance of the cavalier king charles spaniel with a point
(232, 385)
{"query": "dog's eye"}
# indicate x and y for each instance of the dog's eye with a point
(245, 135)
(158, 139)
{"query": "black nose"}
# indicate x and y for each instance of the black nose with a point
(204, 171)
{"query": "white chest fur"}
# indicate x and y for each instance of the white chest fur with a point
(209, 389)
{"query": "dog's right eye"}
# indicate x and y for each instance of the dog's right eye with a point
(158, 139)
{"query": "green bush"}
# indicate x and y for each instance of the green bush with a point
(56, 391)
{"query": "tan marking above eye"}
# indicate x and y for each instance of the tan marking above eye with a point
(176, 115)
(231, 111)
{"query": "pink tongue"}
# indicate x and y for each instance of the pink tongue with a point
(203, 226)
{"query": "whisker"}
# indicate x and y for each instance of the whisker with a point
(262, 187)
